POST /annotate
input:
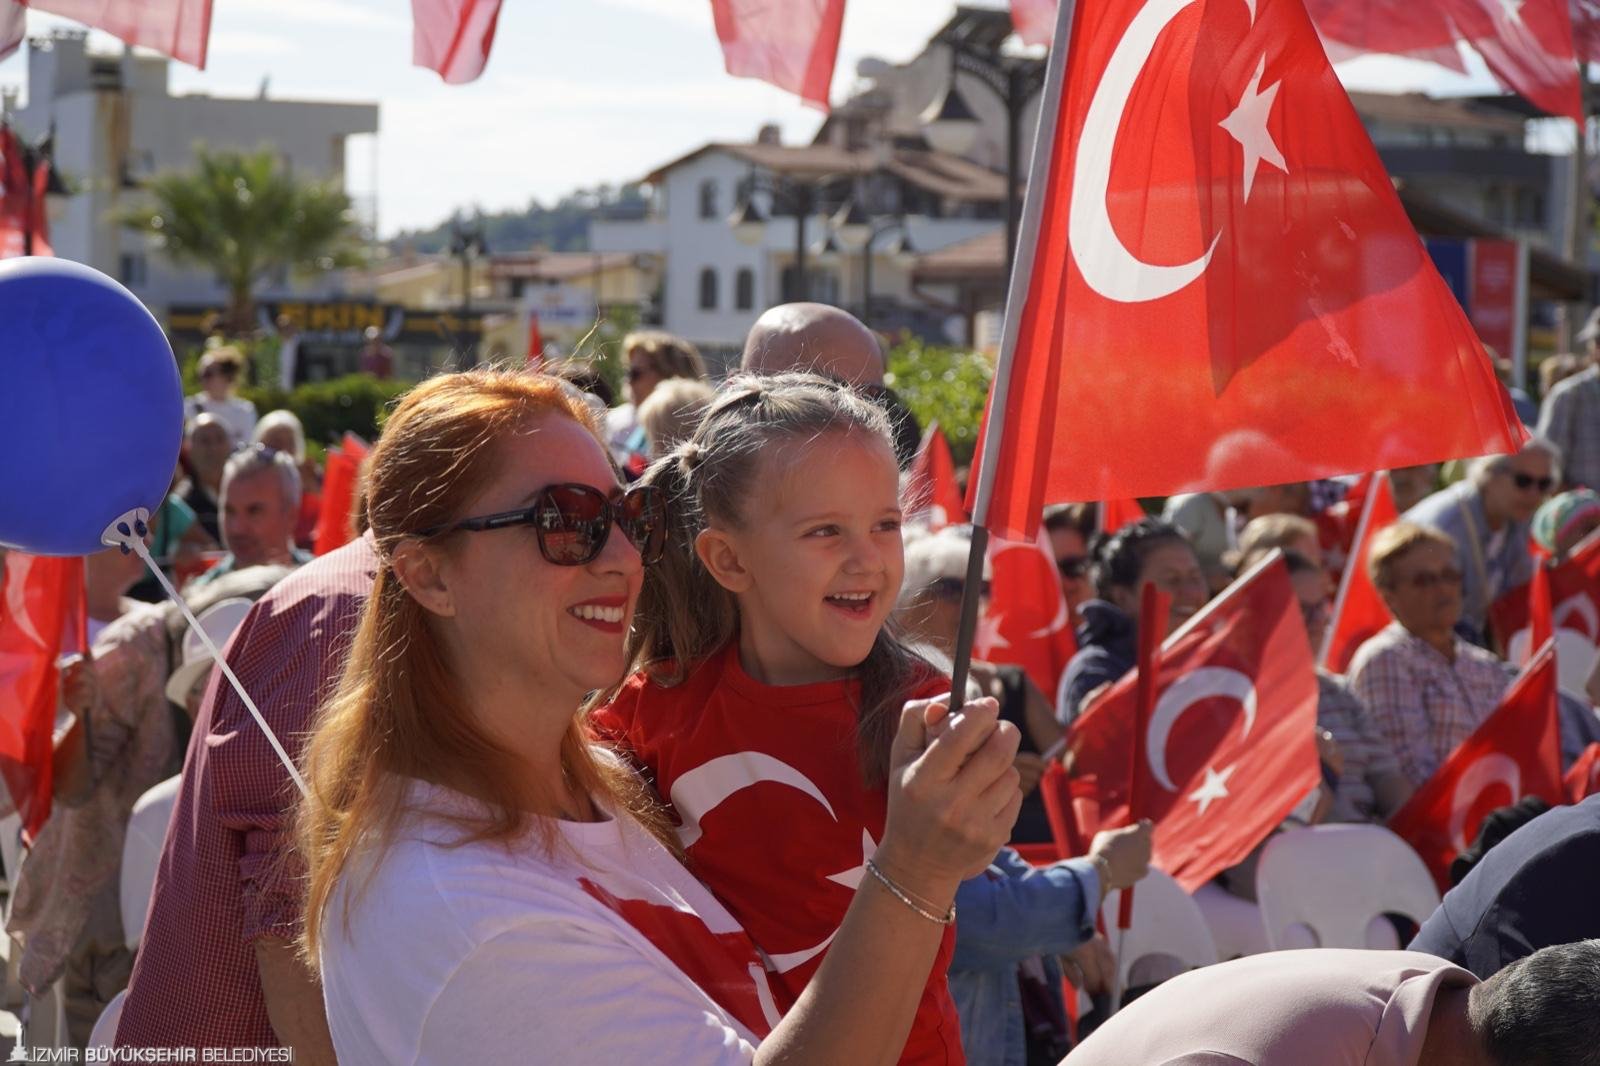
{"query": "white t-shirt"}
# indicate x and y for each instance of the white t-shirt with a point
(237, 414)
(480, 953)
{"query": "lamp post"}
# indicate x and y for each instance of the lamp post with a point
(950, 125)
(466, 243)
(801, 197)
(857, 231)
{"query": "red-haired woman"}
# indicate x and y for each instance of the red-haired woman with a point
(486, 883)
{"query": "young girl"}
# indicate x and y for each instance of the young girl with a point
(767, 685)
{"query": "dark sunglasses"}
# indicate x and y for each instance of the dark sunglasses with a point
(573, 522)
(1429, 579)
(1528, 481)
(1073, 565)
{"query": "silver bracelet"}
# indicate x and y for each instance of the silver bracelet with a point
(903, 896)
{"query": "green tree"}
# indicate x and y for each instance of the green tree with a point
(244, 218)
(944, 385)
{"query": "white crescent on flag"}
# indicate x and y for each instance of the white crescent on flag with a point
(1493, 768)
(1191, 688)
(16, 596)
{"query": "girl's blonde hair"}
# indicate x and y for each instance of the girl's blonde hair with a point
(398, 713)
(684, 615)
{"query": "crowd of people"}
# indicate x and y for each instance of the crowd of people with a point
(627, 736)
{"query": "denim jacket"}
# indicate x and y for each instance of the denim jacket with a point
(1005, 915)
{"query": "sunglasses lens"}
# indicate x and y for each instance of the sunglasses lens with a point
(572, 523)
(644, 521)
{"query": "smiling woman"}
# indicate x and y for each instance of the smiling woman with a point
(484, 878)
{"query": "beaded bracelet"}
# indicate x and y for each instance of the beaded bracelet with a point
(903, 896)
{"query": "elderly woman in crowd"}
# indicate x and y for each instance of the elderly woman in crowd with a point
(1563, 521)
(220, 370)
(207, 445)
(1426, 687)
(485, 882)
(653, 357)
(281, 431)
(1150, 551)
(126, 738)
(1487, 517)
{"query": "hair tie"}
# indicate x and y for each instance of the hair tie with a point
(690, 455)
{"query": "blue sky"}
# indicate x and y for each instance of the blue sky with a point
(576, 92)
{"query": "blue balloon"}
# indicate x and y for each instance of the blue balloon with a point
(91, 408)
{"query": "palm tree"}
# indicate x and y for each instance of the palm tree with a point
(244, 218)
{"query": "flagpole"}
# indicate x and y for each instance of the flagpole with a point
(1016, 296)
(1349, 568)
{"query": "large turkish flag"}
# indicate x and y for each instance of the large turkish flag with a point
(1223, 289)
(1515, 752)
(1229, 747)
(792, 44)
(453, 37)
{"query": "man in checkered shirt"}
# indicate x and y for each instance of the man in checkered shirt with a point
(1570, 417)
(217, 966)
(1426, 688)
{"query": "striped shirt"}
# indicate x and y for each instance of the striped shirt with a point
(1367, 754)
(224, 880)
(1421, 703)
(1570, 419)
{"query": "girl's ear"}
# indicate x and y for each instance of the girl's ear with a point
(719, 554)
(418, 571)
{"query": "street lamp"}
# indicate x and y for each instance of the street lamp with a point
(803, 198)
(951, 126)
(466, 243)
(903, 252)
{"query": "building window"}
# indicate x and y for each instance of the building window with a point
(708, 199)
(744, 289)
(708, 289)
(131, 270)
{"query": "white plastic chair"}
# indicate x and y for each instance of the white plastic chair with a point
(1324, 886)
(105, 1026)
(141, 854)
(1166, 921)
(1575, 657)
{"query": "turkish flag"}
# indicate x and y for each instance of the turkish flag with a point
(1513, 753)
(453, 37)
(792, 44)
(1358, 610)
(1229, 748)
(177, 28)
(1027, 622)
(1574, 599)
(931, 487)
(1220, 279)
(22, 199)
(42, 617)
(1527, 44)
(535, 342)
(1117, 514)
(341, 476)
(1583, 779)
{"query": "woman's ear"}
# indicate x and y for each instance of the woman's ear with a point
(416, 566)
(719, 554)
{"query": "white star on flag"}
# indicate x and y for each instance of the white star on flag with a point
(1511, 11)
(1248, 125)
(988, 635)
(1215, 787)
(851, 878)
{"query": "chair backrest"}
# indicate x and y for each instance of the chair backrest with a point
(105, 1027)
(11, 848)
(1333, 880)
(141, 853)
(1166, 921)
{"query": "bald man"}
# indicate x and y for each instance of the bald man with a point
(825, 340)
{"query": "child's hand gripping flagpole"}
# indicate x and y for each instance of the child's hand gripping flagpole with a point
(1016, 297)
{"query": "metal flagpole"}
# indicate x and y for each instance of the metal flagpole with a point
(1016, 299)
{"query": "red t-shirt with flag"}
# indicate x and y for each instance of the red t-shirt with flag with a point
(777, 819)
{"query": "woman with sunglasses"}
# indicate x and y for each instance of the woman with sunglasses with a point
(653, 357)
(1488, 516)
(486, 884)
(219, 371)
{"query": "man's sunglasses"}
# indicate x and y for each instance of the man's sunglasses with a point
(573, 522)
(1073, 565)
(1528, 481)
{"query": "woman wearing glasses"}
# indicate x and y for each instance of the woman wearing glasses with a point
(1488, 517)
(488, 885)
(653, 357)
(219, 371)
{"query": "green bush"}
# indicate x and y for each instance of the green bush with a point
(945, 385)
(328, 409)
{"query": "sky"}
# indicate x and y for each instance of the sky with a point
(577, 92)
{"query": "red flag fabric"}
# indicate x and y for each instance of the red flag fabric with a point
(177, 28)
(1527, 44)
(1229, 749)
(931, 484)
(1543, 617)
(1217, 303)
(453, 37)
(13, 26)
(535, 342)
(1515, 752)
(1583, 780)
(22, 199)
(339, 474)
(792, 45)
(1358, 610)
(1027, 623)
(1034, 20)
(1115, 514)
(1574, 597)
(42, 617)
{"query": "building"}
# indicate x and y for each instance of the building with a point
(116, 124)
